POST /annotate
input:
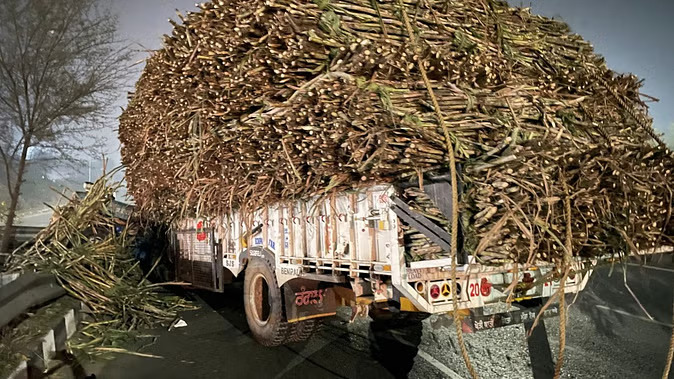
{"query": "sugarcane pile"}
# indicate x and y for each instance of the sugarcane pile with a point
(253, 102)
(89, 251)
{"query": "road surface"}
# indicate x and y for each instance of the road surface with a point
(608, 336)
(35, 218)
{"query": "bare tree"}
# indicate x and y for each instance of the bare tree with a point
(61, 69)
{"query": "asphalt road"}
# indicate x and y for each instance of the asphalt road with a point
(39, 218)
(608, 336)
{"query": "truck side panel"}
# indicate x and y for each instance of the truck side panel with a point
(346, 232)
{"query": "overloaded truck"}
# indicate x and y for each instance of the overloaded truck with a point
(303, 259)
(280, 138)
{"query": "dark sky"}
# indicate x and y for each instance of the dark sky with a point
(634, 36)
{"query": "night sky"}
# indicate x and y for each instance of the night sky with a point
(634, 36)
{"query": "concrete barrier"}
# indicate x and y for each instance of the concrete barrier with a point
(47, 347)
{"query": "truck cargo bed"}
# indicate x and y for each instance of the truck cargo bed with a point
(345, 237)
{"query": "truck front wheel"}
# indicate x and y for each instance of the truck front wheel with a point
(263, 304)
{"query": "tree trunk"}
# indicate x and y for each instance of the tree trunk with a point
(8, 232)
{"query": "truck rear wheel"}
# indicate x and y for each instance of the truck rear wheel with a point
(263, 305)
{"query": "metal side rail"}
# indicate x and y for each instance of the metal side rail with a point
(21, 235)
(422, 224)
(25, 292)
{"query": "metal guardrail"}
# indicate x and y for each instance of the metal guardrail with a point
(27, 291)
(22, 234)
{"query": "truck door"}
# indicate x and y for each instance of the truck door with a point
(199, 258)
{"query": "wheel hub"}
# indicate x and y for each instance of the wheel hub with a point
(259, 299)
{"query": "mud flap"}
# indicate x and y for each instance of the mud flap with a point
(308, 299)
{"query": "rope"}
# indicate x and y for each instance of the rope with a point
(455, 191)
(668, 365)
(632, 113)
(562, 328)
(652, 134)
(566, 267)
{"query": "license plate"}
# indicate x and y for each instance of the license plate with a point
(475, 323)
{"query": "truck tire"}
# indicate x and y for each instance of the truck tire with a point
(303, 330)
(262, 300)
